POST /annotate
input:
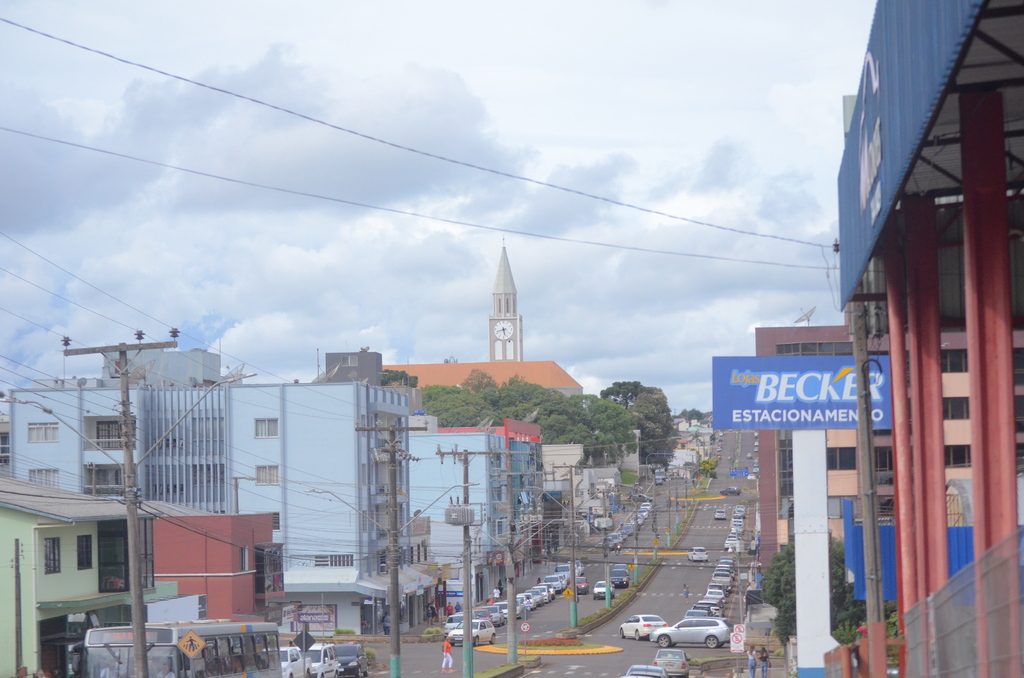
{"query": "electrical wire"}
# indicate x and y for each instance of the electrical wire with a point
(409, 149)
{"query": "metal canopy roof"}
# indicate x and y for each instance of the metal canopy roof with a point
(994, 60)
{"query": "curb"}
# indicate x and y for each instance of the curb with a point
(544, 651)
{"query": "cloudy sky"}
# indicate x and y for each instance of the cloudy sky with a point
(417, 138)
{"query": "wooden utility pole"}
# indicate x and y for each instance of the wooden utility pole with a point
(131, 494)
(394, 454)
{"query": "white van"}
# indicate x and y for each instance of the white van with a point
(324, 659)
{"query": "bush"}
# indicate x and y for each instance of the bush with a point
(846, 634)
(433, 631)
(344, 632)
(371, 655)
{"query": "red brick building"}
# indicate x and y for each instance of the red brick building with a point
(229, 558)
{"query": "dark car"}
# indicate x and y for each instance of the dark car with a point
(731, 490)
(620, 577)
(352, 660)
(643, 497)
(582, 586)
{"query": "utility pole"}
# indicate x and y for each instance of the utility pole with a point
(866, 467)
(510, 574)
(467, 559)
(573, 609)
(394, 453)
(18, 659)
(131, 491)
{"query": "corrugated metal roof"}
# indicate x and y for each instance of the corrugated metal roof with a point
(71, 507)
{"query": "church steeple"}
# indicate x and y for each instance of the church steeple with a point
(505, 323)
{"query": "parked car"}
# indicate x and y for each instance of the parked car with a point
(731, 542)
(483, 613)
(582, 586)
(731, 490)
(723, 579)
(323, 660)
(720, 514)
(452, 621)
(698, 554)
(709, 631)
(557, 581)
(626, 529)
(522, 604)
(715, 594)
(352, 660)
(645, 671)
(712, 607)
(483, 632)
(738, 524)
(740, 510)
(498, 617)
(599, 590)
(543, 593)
(696, 612)
(640, 626)
(674, 661)
(294, 664)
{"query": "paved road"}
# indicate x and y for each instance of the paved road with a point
(663, 597)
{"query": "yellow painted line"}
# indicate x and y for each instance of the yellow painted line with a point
(661, 552)
(530, 649)
(721, 496)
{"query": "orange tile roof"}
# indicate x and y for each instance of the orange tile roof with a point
(543, 372)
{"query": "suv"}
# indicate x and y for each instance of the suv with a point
(731, 490)
(557, 581)
(352, 660)
(323, 660)
(620, 577)
(709, 631)
(294, 664)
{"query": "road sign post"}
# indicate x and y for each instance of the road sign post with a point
(738, 638)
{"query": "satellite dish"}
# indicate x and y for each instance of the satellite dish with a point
(326, 376)
(82, 382)
(806, 316)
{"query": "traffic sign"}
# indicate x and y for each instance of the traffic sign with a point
(191, 644)
(657, 541)
(304, 641)
(525, 627)
(631, 566)
(738, 638)
(568, 594)
(740, 472)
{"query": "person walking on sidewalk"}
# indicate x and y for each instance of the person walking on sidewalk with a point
(446, 657)
(751, 662)
(762, 657)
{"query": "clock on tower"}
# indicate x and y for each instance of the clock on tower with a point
(505, 323)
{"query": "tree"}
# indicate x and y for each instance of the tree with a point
(478, 381)
(454, 406)
(846, 610)
(623, 392)
(778, 587)
(706, 468)
(691, 414)
(650, 413)
(398, 378)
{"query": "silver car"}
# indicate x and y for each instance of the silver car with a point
(709, 631)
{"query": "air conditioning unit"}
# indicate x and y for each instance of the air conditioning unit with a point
(460, 514)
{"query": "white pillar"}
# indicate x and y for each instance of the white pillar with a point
(810, 526)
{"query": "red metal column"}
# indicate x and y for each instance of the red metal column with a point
(989, 324)
(989, 350)
(906, 553)
(929, 457)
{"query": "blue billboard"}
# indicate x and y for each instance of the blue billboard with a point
(911, 53)
(799, 392)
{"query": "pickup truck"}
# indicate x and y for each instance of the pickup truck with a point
(294, 664)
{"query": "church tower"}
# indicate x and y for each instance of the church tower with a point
(505, 325)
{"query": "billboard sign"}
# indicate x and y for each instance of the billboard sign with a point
(812, 392)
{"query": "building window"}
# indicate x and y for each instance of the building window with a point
(42, 433)
(785, 458)
(1018, 412)
(956, 408)
(835, 508)
(275, 521)
(955, 360)
(1018, 367)
(51, 546)
(267, 475)
(43, 476)
(266, 428)
(958, 455)
(103, 479)
(343, 560)
(85, 552)
(842, 458)
(243, 559)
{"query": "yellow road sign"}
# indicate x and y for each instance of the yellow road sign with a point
(191, 644)
(657, 541)
(631, 566)
(567, 593)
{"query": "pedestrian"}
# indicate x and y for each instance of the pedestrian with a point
(751, 661)
(387, 624)
(762, 656)
(458, 607)
(446, 657)
(451, 610)
(496, 593)
(686, 591)
(431, 614)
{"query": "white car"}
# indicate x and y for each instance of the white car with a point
(732, 543)
(294, 664)
(698, 554)
(640, 626)
(483, 632)
(324, 660)
(497, 615)
(714, 594)
(452, 621)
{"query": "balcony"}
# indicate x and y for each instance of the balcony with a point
(108, 443)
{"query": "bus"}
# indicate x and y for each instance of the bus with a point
(229, 649)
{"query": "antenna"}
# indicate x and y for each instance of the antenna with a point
(806, 316)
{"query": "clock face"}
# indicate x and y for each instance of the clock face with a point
(503, 329)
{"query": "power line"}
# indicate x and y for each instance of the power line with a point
(408, 213)
(409, 149)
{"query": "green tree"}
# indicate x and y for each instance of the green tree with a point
(398, 378)
(846, 610)
(623, 392)
(706, 468)
(778, 587)
(454, 406)
(648, 408)
(691, 414)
